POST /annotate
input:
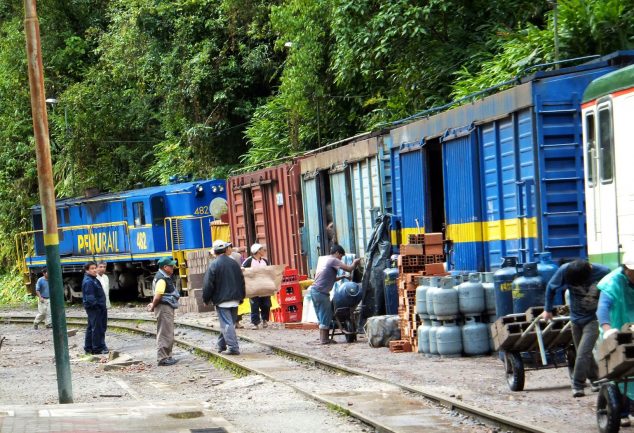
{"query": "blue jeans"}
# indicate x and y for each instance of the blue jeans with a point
(323, 308)
(95, 341)
(260, 307)
(227, 318)
(584, 338)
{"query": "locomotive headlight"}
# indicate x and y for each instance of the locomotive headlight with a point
(214, 189)
(221, 188)
(199, 190)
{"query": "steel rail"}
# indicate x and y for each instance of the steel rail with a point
(453, 404)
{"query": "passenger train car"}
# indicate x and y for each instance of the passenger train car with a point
(608, 128)
(130, 230)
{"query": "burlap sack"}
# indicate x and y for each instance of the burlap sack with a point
(263, 281)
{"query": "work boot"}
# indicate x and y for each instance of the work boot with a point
(35, 326)
(265, 324)
(323, 336)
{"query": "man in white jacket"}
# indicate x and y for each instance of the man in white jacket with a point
(103, 279)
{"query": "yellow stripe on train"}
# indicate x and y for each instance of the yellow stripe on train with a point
(501, 230)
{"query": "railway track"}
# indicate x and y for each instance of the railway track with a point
(386, 405)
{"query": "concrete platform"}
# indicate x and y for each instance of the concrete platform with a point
(124, 416)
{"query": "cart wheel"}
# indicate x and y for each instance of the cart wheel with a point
(609, 409)
(571, 355)
(350, 338)
(514, 370)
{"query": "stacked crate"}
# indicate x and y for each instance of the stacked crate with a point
(422, 256)
(197, 264)
(290, 298)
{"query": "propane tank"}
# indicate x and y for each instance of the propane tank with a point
(528, 290)
(445, 299)
(471, 295)
(347, 295)
(503, 283)
(423, 336)
(421, 296)
(449, 339)
(489, 292)
(429, 296)
(390, 276)
(433, 348)
(475, 337)
(546, 268)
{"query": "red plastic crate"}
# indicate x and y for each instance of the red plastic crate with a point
(290, 276)
(288, 313)
(289, 294)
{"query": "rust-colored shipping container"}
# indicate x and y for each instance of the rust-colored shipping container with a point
(265, 206)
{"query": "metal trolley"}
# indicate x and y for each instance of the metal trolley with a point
(541, 345)
(612, 404)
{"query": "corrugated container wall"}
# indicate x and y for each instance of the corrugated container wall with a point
(512, 170)
(265, 207)
(344, 190)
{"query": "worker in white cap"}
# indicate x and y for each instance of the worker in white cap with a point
(260, 305)
(616, 306)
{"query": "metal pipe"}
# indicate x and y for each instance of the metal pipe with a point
(47, 198)
(540, 341)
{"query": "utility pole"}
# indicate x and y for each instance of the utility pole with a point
(47, 198)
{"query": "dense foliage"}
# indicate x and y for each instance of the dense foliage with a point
(147, 89)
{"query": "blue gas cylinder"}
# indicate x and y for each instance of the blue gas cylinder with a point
(390, 275)
(528, 289)
(546, 268)
(347, 295)
(503, 284)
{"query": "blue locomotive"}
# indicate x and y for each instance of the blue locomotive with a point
(130, 230)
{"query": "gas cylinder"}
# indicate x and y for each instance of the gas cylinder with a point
(445, 299)
(528, 290)
(471, 296)
(429, 296)
(421, 296)
(347, 295)
(546, 268)
(489, 292)
(433, 348)
(390, 275)
(475, 337)
(503, 283)
(449, 339)
(423, 336)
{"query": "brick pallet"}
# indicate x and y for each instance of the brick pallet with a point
(616, 355)
(422, 256)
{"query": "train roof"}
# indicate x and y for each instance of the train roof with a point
(140, 192)
(610, 83)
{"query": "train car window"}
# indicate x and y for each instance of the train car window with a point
(606, 145)
(59, 216)
(590, 149)
(139, 214)
(158, 210)
(66, 215)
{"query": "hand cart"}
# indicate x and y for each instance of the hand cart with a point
(540, 345)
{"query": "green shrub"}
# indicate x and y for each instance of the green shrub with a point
(13, 292)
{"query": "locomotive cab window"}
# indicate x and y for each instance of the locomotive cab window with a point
(139, 214)
(606, 145)
(158, 210)
(590, 149)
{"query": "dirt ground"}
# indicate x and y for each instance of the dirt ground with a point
(546, 400)
(27, 376)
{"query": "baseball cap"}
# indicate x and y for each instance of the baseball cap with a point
(166, 261)
(256, 247)
(628, 261)
(220, 245)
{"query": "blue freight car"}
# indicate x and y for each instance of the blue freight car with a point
(130, 230)
(503, 175)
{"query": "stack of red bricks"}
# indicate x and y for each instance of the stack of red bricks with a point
(290, 298)
(423, 255)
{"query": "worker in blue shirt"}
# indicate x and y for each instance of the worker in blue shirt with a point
(43, 302)
(580, 277)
